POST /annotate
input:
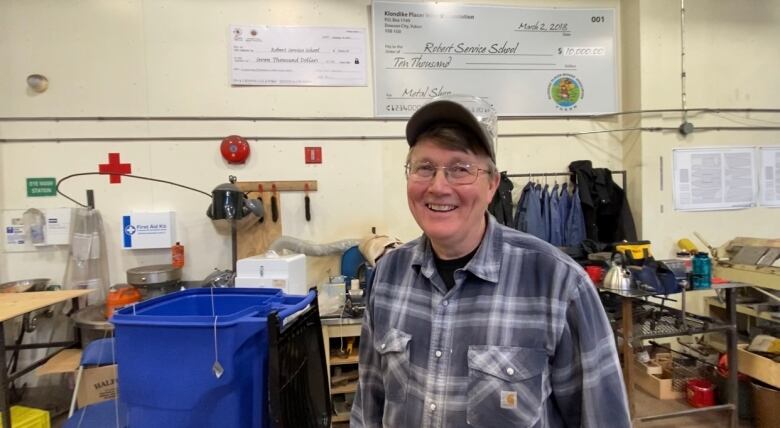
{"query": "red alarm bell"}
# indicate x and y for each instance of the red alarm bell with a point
(234, 149)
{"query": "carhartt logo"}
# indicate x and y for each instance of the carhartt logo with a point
(508, 399)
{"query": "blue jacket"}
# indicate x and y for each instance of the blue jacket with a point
(575, 224)
(528, 217)
(556, 225)
(546, 218)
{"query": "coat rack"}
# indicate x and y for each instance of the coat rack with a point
(562, 174)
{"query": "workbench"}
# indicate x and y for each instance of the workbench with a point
(13, 305)
(631, 333)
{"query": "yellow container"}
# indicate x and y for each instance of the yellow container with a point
(634, 250)
(685, 244)
(28, 417)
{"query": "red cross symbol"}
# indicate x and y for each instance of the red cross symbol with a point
(114, 168)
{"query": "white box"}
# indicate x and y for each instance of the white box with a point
(285, 272)
(148, 230)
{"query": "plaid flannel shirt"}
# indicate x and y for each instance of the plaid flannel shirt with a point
(521, 340)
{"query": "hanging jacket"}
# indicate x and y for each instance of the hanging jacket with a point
(519, 219)
(529, 212)
(539, 195)
(556, 227)
(575, 223)
(564, 205)
(501, 205)
(546, 217)
(604, 205)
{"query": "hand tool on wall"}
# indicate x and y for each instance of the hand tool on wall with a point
(274, 204)
(260, 198)
(307, 202)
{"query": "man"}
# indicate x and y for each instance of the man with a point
(476, 324)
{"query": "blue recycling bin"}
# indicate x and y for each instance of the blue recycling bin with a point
(167, 348)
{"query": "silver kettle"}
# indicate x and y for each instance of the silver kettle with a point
(617, 277)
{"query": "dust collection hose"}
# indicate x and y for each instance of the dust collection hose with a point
(311, 249)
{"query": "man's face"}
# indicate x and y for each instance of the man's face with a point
(452, 216)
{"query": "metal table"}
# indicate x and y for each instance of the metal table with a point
(13, 305)
(627, 332)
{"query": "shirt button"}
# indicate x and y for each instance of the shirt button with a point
(510, 371)
(445, 303)
(383, 346)
(433, 407)
(437, 353)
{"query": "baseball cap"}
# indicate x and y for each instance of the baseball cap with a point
(473, 113)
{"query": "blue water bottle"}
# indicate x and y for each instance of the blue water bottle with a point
(702, 271)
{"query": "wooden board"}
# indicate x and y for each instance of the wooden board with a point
(758, 367)
(254, 237)
(15, 304)
(281, 186)
(742, 241)
(760, 276)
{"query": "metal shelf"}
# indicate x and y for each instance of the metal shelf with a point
(669, 323)
(639, 319)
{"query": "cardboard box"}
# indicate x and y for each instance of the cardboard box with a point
(97, 384)
(659, 386)
(66, 361)
(758, 367)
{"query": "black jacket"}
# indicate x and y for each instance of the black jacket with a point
(607, 215)
(501, 205)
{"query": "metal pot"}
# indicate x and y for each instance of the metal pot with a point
(93, 324)
(153, 276)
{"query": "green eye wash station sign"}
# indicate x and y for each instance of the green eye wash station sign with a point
(45, 186)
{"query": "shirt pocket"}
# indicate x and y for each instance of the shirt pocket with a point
(394, 351)
(505, 385)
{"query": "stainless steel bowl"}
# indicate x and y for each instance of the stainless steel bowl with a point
(37, 284)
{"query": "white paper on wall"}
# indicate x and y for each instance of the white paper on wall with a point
(58, 226)
(15, 236)
(769, 183)
(714, 179)
(264, 55)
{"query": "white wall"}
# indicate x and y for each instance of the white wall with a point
(138, 58)
(730, 49)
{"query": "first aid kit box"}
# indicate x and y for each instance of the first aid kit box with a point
(287, 272)
(148, 230)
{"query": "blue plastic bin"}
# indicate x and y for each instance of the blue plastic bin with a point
(166, 351)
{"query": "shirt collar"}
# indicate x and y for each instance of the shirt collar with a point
(485, 264)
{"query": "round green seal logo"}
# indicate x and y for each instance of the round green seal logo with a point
(565, 90)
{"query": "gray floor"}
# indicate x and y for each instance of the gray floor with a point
(645, 405)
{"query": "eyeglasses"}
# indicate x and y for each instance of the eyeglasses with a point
(456, 174)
